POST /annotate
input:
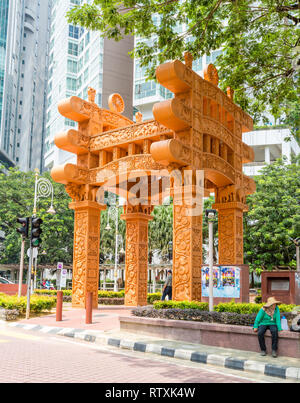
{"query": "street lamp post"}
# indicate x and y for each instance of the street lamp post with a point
(210, 214)
(43, 188)
(21, 267)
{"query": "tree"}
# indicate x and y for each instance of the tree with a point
(108, 237)
(260, 42)
(273, 217)
(16, 200)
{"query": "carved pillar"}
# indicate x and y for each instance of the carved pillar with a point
(230, 232)
(86, 251)
(187, 251)
(137, 219)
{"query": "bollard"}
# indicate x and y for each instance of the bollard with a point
(89, 308)
(59, 306)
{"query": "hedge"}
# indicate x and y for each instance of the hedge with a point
(196, 315)
(251, 308)
(240, 308)
(53, 292)
(105, 297)
(202, 306)
(37, 303)
(152, 297)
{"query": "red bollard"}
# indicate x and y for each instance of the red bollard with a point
(89, 308)
(59, 306)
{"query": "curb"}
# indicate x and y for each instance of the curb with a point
(239, 364)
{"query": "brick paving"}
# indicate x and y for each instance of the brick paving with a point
(26, 358)
(94, 365)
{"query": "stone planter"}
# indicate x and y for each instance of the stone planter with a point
(210, 334)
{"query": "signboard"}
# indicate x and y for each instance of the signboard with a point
(61, 275)
(60, 266)
(63, 278)
(35, 253)
(226, 280)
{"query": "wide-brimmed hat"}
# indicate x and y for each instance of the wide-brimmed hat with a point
(271, 301)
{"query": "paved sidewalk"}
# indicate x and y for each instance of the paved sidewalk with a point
(105, 318)
(105, 330)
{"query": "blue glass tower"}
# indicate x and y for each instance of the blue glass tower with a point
(4, 9)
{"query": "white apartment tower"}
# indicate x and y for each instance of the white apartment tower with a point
(80, 59)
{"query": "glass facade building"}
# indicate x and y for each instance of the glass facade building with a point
(75, 63)
(4, 5)
(24, 34)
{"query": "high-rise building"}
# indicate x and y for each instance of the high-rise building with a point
(80, 59)
(24, 35)
(269, 145)
(147, 93)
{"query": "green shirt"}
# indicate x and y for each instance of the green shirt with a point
(263, 319)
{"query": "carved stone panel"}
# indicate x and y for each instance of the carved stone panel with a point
(86, 252)
(230, 233)
(136, 264)
(187, 255)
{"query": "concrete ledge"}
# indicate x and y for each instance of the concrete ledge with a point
(210, 334)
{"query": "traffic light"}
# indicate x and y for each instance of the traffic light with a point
(36, 232)
(25, 226)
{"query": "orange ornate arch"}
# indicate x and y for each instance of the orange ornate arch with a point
(199, 130)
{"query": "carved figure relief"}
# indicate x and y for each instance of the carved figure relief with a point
(211, 74)
(116, 103)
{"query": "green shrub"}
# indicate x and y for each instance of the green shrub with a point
(52, 292)
(111, 294)
(243, 308)
(202, 306)
(258, 299)
(67, 293)
(37, 303)
(195, 315)
(101, 294)
(151, 298)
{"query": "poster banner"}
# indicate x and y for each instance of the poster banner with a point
(226, 280)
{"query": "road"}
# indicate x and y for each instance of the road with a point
(26, 357)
